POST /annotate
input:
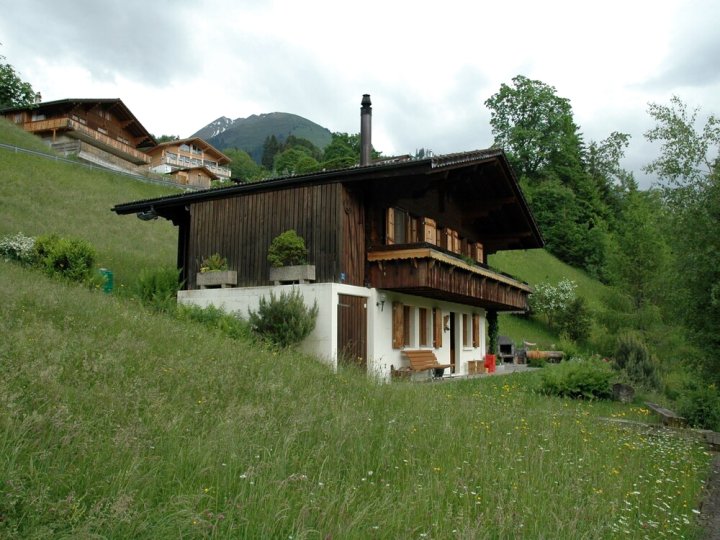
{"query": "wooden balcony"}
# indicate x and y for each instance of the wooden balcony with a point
(79, 131)
(424, 270)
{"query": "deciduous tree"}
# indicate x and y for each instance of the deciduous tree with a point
(14, 92)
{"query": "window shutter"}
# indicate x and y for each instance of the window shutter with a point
(398, 325)
(476, 330)
(437, 328)
(390, 226)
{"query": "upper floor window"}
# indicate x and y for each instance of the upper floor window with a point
(401, 227)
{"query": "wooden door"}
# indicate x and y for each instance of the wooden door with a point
(352, 330)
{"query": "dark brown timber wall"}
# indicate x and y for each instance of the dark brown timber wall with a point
(352, 248)
(241, 229)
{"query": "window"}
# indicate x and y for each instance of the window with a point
(423, 326)
(475, 330)
(403, 326)
(401, 227)
(466, 330)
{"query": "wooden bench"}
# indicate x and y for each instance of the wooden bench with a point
(424, 360)
(668, 417)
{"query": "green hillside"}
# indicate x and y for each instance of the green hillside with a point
(41, 196)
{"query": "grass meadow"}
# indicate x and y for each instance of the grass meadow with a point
(118, 422)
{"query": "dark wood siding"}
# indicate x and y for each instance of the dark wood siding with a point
(353, 238)
(241, 229)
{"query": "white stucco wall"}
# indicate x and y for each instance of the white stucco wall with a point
(322, 342)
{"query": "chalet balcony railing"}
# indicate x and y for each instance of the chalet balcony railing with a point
(83, 132)
(424, 270)
(194, 162)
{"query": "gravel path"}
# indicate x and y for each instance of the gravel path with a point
(710, 509)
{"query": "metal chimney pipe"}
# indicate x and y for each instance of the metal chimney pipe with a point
(365, 130)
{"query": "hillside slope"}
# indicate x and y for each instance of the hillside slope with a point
(41, 196)
(250, 133)
(122, 423)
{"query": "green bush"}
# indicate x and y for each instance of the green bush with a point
(287, 249)
(700, 405)
(213, 262)
(158, 288)
(578, 378)
(575, 321)
(633, 358)
(227, 323)
(284, 320)
(19, 248)
(71, 258)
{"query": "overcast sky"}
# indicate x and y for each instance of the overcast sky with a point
(429, 66)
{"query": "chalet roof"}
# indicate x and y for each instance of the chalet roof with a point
(115, 105)
(222, 159)
(375, 177)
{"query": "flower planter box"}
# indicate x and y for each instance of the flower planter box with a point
(222, 279)
(304, 273)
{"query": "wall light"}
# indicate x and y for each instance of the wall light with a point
(381, 302)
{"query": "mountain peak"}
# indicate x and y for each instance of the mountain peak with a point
(250, 133)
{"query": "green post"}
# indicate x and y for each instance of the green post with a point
(108, 284)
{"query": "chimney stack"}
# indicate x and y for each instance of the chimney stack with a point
(365, 130)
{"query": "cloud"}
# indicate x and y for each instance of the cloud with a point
(108, 38)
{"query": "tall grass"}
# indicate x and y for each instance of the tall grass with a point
(121, 423)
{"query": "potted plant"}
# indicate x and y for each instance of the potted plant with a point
(493, 332)
(214, 273)
(287, 256)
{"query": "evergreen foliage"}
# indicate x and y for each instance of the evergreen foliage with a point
(633, 358)
(284, 320)
(287, 249)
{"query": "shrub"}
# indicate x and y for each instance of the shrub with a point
(158, 288)
(550, 300)
(575, 320)
(71, 258)
(284, 320)
(227, 323)
(493, 331)
(633, 358)
(287, 249)
(700, 405)
(578, 378)
(19, 248)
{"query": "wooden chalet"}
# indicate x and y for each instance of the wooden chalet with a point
(102, 131)
(400, 251)
(191, 161)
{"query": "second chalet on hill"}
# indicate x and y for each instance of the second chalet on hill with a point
(399, 248)
(101, 131)
(106, 133)
(190, 161)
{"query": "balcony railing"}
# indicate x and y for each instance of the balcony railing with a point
(424, 270)
(175, 161)
(85, 133)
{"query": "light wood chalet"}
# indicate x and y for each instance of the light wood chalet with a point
(190, 161)
(396, 231)
(102, 131)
